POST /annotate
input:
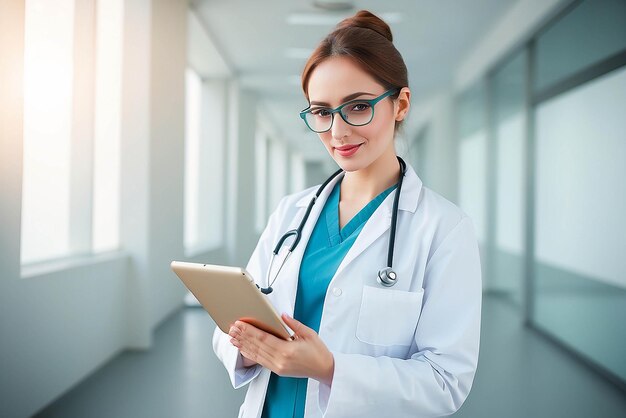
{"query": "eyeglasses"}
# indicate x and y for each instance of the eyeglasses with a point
(357, 112)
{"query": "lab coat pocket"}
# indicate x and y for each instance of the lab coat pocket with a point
(388, 316)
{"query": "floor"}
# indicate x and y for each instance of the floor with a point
(520, 374)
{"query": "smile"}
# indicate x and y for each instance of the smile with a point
(348, 150)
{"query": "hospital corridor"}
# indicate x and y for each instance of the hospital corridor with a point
(136, 133)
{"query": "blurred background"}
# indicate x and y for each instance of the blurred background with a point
(136, 132)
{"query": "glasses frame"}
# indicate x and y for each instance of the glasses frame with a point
(371, 102)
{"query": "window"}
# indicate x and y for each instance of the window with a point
(579, 265)
(108, 101)
(473, 157)
(508, 87)
(70, 199)
(48, 95)
(204, 162)
(261, 180)
(193, 109)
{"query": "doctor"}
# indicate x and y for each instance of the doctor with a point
(365, 347)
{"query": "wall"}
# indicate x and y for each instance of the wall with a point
(61, 321)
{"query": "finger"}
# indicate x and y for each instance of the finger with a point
(259, 356)
(248, 332)
(259, 343)
(297, 326)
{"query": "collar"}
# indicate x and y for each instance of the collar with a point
(409, 195)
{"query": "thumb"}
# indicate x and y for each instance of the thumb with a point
(297, 326)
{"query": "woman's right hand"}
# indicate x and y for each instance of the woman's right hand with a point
(246, 361)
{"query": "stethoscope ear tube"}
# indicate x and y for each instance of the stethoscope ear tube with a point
(394, 218)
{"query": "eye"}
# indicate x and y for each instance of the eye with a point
(320, 112)
(360, 107)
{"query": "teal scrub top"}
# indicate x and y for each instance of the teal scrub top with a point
(324, 252)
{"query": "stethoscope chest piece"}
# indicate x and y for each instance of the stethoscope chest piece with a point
(387, 277)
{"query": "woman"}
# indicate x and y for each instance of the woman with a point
(363, 347)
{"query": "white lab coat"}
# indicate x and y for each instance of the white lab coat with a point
(410, 350)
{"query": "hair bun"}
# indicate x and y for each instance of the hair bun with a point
(367, 20)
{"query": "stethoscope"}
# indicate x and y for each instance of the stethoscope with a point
(386, 276)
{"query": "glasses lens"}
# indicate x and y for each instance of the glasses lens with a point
(358, 113)
(319, 120)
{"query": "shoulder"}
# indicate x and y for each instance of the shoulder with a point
(442, 219)
(445, 212)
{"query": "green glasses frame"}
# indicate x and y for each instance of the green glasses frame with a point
(371, 102)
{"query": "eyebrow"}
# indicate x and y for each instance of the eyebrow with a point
(345, 99)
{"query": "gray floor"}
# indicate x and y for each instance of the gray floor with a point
(520, 374)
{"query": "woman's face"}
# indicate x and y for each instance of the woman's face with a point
(338, 80)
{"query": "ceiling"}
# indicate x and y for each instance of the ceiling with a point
(267, 53)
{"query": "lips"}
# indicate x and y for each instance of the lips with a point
(348, 150)
(347, 147)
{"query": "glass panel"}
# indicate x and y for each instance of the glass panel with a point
(594, 30)
(472, 134)
(108, 103)
(509, 133)
(473, 181)
(277, 186)
(48, 78)
(472, 110)
(473, 157)
(580, 267)
(211, 166)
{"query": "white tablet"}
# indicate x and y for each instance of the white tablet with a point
(229, 294)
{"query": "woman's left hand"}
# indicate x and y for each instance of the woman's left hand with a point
(306, 356)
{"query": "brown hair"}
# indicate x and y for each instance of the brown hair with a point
(367, 40)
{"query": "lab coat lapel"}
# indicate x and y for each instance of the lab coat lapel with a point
(377, 224)
(291, 271)
(380, 221)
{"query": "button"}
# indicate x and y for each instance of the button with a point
(336, 291)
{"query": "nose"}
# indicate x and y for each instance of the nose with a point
(340, 128)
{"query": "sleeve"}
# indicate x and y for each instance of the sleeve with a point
(227, 353)
(437, 378)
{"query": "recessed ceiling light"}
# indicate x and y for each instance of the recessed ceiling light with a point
(333, 4)
(324, 19)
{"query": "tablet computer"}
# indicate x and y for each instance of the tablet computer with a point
(229, 294)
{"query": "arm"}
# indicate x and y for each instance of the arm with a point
(436, 379)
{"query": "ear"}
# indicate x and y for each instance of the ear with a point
(403, 103)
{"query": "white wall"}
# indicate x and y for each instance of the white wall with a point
(61, 321)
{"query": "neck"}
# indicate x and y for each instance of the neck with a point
(369, 182)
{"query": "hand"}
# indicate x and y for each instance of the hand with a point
(306, 356)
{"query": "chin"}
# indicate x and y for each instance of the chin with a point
(349, 165)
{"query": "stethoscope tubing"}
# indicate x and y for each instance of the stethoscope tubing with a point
(297, 233)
